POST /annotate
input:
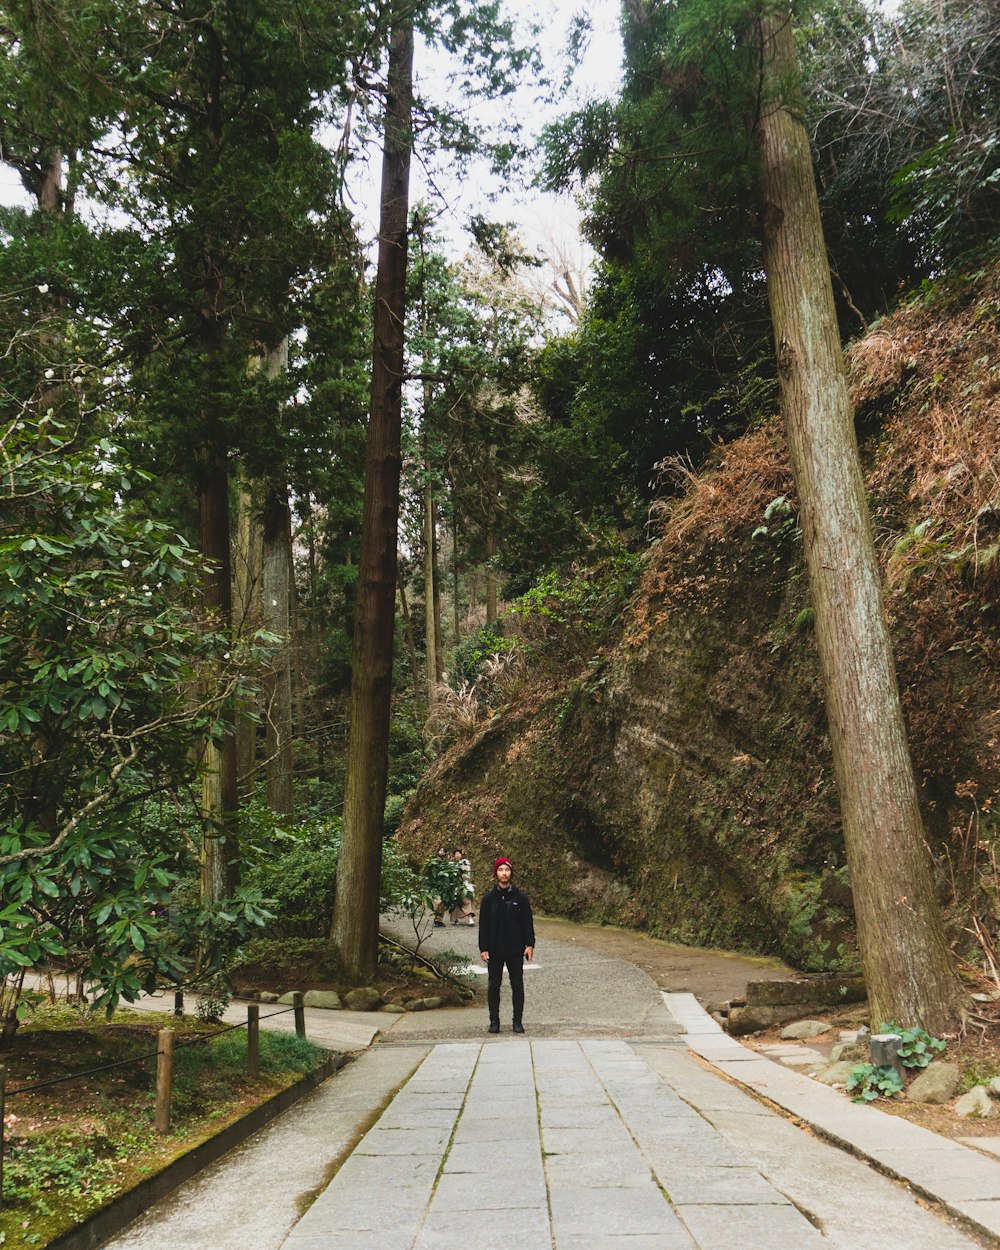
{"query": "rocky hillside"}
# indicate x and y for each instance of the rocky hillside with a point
(680, 779)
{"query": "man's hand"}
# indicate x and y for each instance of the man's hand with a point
(529, 953)
(484, 956)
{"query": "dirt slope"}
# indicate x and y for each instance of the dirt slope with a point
(679, 781)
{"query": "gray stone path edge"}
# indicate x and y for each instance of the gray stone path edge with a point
(963, 1181)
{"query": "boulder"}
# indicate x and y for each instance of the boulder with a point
(837, 1073)
(976, 1103)
(750, 1019)
(854, 1051)
(267, 996)
(743, 1020)
(329, 999)
(364, 998)
(936, 1084)
(393, 1009)
(423, 1004)
(802, 1030)
(994, 1086)
(289, 998)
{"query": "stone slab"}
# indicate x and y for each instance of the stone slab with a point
(736, 1186)
(954, 1174)
(965, 1184)
(522, 1187)
(606, 1212)
(749, 1227)
(484, 1230)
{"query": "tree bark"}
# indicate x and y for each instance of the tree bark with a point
(430, 581)
(411, 646)
(356, 908)
(491, 577)
(276, 579)
(275, 596)
(436, 604)
(246, 585)
(907, 966)
(456, 612)
(219, 796)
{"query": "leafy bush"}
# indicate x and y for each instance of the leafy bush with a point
(918, 1048)
(867, 1082)
(474, 650)
(576, 609)
(104, 649)
(295, 869)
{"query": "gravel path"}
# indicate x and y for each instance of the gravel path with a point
(571, 990)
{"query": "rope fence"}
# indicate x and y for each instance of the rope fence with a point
(164, 1056)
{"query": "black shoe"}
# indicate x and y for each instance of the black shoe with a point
(518, 1027)
(438, 924)
(494, 1026)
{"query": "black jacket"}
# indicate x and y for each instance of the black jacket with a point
(505, 913)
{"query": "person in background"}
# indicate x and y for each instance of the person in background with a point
(433, 871)
(506, 939)
(464, 911)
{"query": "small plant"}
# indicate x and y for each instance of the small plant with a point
(780, 521)
(214, 996)
(867, 1082)
(918, 1047)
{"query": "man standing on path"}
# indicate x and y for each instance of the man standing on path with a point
(506, 936)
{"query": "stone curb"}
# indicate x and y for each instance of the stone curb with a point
(962, 1180)
(117, 1214)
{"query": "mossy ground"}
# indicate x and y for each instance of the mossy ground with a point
(74, 1146)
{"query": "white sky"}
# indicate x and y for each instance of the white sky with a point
(541, 218)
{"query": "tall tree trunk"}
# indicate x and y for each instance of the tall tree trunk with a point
(430, 580)
(456, 609)
(436, 604)
(50, 184)
(491, 577)
(276, 588)
(218, 790)
(906, 963)
(246, 588)
(411, 646)
(356, 908)
(276, 580)
(298, 657)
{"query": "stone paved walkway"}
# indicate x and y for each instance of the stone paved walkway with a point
(602, 1128)
(574, 1145)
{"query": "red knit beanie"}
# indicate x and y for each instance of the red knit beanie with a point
(502, 860)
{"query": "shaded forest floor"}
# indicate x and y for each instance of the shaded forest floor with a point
(73, 1146)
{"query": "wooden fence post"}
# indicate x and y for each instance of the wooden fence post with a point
(164, 1079)
(253, 1041)
(300, 1013)
(178, 1002)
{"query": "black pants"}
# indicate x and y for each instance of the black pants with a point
(515, 971)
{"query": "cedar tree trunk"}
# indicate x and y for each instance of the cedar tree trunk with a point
(356, 907)
(907, 967)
